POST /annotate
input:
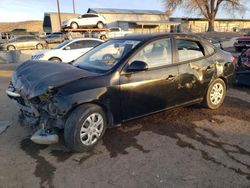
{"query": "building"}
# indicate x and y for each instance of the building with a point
(221, 25)
(137, 21)
(51, 21)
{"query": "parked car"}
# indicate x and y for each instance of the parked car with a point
(242, 43)
(85, 20)
(67, 51)
(24, 42)
(17, 32)
(120, 80)
(242, 74)
(56, 37)
(113, 32)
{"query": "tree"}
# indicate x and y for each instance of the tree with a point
(206, 8)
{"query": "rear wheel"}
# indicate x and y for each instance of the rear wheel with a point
(11, 48)
(215, 94)
(55, 59)
(84, 127)
(74, 25)
(39, 46)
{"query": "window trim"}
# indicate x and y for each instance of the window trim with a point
(190, 39)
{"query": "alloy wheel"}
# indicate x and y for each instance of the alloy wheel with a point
(216, 94)
(91, 129)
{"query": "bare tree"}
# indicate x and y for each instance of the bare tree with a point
(207, 8)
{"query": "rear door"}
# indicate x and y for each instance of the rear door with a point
(196, 69)
(31, 42)
(20, 42)
(152, 90)
(78, 48)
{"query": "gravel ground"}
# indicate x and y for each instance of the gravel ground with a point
(184, 147)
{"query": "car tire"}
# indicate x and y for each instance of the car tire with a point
(81, 132)
(56, 59)
(103, 37)
(11, 48)
(74, 25)
(100, 25)
(215, 94)
(39, 46)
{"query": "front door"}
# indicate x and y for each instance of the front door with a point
(152, 90)
(195, 70)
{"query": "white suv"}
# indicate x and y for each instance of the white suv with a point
(85, 20)
(68, 51)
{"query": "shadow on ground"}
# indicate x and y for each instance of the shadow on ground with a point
(171, 124)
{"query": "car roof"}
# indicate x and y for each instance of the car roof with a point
(145, 37)
(79, 39)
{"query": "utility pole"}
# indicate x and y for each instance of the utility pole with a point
(74, 8)
(59, 14)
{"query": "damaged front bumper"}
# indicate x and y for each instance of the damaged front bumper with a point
(39, 114)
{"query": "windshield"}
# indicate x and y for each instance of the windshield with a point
(105, 56)
(61, 44)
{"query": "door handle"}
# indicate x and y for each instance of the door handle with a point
(170, 77)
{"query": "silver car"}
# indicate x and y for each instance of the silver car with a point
(24, 42)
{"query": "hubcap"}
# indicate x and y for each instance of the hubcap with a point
(91, 129)
(216, 93)
(74, 26)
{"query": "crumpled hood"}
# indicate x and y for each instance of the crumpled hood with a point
(34, 78)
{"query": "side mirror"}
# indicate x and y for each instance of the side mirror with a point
(137, 66)
(67, 48)
(79, 17)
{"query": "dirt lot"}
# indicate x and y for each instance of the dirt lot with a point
(185, 147)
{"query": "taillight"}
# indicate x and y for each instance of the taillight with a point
(233, 59)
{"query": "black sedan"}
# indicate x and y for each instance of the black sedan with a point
(120, 80)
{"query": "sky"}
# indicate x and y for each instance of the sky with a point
(21, 10)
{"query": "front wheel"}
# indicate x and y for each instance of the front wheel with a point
(100, 25)
(215, 94)
(84, 128)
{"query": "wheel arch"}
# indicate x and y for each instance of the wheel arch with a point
(104, 107)
(225, 80)
(54, 57)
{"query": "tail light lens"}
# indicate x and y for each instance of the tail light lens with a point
(233, 59)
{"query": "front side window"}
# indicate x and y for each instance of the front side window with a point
(105, 56)
(155, 54)
(189, 50)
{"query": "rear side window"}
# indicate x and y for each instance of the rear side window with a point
(29, 38)
(92, 43)
(114, 29)
(78, 45)
(189, 50)
(210, 49)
